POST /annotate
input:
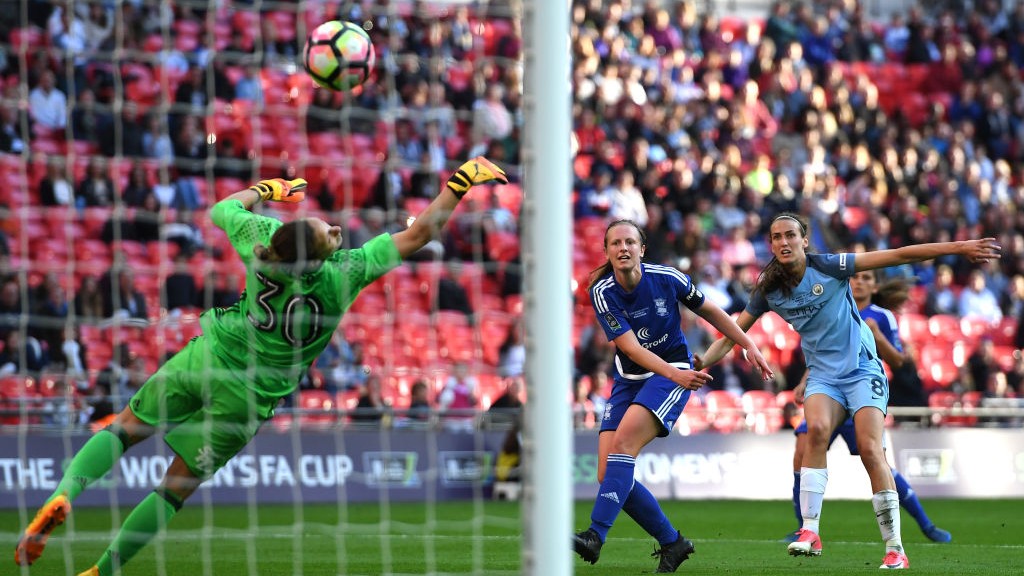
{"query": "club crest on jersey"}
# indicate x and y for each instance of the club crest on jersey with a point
(660, 307)
(612, 322)
(817, 289)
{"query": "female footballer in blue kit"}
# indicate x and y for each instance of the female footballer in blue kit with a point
(845, 376)
(879, 317)
(637, 304)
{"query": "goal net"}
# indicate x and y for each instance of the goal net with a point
(123, 125)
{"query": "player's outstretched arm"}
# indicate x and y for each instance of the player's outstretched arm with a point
(734, 332)
(276, 189)
(981, 250)
(425, 227)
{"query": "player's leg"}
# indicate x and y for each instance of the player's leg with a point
(823, 412)
(617, 452)
(799, 447)
(870, 423)
(230, 417)
(94, 460)
(910, 502)
(151, 516)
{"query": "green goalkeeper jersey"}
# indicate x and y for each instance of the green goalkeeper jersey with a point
(283, 321)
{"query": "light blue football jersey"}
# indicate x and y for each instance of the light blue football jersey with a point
(651, 311)
(821, 308)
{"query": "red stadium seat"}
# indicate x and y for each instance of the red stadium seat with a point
(322, 412)
(694, 418)
(947, 399)
(945, 327)
(725, 412)
(762, 414)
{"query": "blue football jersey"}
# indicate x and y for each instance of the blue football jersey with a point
(821, 308)
(651, 311)
(886, 321)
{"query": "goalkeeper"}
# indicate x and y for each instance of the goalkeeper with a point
(214, 394)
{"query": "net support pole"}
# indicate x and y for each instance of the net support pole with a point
(547, 245)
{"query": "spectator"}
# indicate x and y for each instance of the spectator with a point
(420, 409)
(506, 409)
(156, 142)
(55, 189)
(116, 378)
(125, 135)
(981, 364)
(451, 295)
(491, 119)
(249, 87)
(341, 364)
(121, 298)
(372, 407)
(12, 309)
(22, 354)
(179, 291)
(940, 297)
(49, 313)
(11, 140)
(977, 301)
(627, 200)
(97, 188)
(512, 353)
(47, 105)
(138, 187)
(88, 300)
(459, 398)
(88, 120)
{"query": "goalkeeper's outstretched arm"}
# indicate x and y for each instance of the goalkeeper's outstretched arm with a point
(425, 227)
(277, 189)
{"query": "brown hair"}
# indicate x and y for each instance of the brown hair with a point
(892, 294)
(599, 272)
(292, 243)
(775, 276)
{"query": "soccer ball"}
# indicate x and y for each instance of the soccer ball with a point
(338, 55)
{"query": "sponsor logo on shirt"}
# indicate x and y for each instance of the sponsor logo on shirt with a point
(644, 333)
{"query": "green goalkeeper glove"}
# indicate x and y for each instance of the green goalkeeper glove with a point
(479, 170)
(280, 190)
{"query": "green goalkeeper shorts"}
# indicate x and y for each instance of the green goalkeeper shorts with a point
(210, 412)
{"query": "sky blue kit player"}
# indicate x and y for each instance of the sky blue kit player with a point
(845, 374)
(637, 304)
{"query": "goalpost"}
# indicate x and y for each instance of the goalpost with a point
(547, 240)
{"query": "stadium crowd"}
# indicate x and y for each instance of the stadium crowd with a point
(695, 125)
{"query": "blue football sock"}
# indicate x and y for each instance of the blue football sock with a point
(643, 508)
(796, 500)
(618, 483)
(909, 501)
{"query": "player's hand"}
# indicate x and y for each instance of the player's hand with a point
(698, 364)
(756, 359)
(692, 379)
(479, 170)
(982, 250)
(281, 190)
(798, 392)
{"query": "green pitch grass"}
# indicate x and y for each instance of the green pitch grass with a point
(731, 537)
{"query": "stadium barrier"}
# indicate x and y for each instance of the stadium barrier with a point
(415, 465)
